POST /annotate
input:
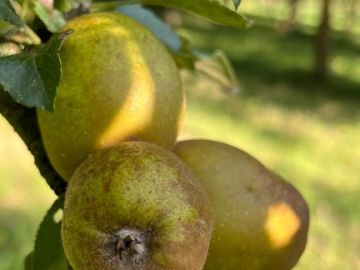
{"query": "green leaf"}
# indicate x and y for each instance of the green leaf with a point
(19, 76)
(146, 17)
(8, 14)
(33, 80)
(29, 261)
(48, 252)
(210, 9)
(52, 18)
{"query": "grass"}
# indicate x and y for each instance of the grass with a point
(306, 131)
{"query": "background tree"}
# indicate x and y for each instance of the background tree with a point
(293, 10)
(322, 42)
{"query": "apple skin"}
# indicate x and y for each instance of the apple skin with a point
(119, 83)
(261, 221)
(136, 206)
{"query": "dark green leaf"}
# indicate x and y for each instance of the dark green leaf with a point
(52, 18)
(8, 14)
(49, 65)
(210, 9)
(29, 261)
(146, 17)
(32, 81)
(19, 76)
(49, 253)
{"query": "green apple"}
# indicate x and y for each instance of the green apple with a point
(136, 206)
(261, 221)
(119, 83)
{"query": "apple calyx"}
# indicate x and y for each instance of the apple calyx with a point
(131, 245)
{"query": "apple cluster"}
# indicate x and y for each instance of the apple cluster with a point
(136, 198)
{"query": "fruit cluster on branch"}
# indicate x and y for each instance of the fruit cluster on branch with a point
(135, 198)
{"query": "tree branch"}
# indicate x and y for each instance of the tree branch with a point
(24, 122)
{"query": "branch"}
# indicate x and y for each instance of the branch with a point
(24, 122)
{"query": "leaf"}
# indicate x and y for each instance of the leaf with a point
(8, 14)
(146, 17)
(48, 64)
(210, 9)
(19, 77)
(219, 68)
(52, 18)
(33, 81)
(29, 261)
(48, 252)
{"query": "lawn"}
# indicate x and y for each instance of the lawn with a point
(306, 131)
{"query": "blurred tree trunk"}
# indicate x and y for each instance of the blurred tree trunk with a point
(322, 54)
(291, 25)
(293, 4)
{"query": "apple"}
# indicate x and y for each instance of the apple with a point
(136, 206)
(119, 83)
(261, 221)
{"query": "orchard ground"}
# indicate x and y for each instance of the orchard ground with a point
(306, 131)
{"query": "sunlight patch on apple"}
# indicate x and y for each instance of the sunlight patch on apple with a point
(139, 97)
(281, 225)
